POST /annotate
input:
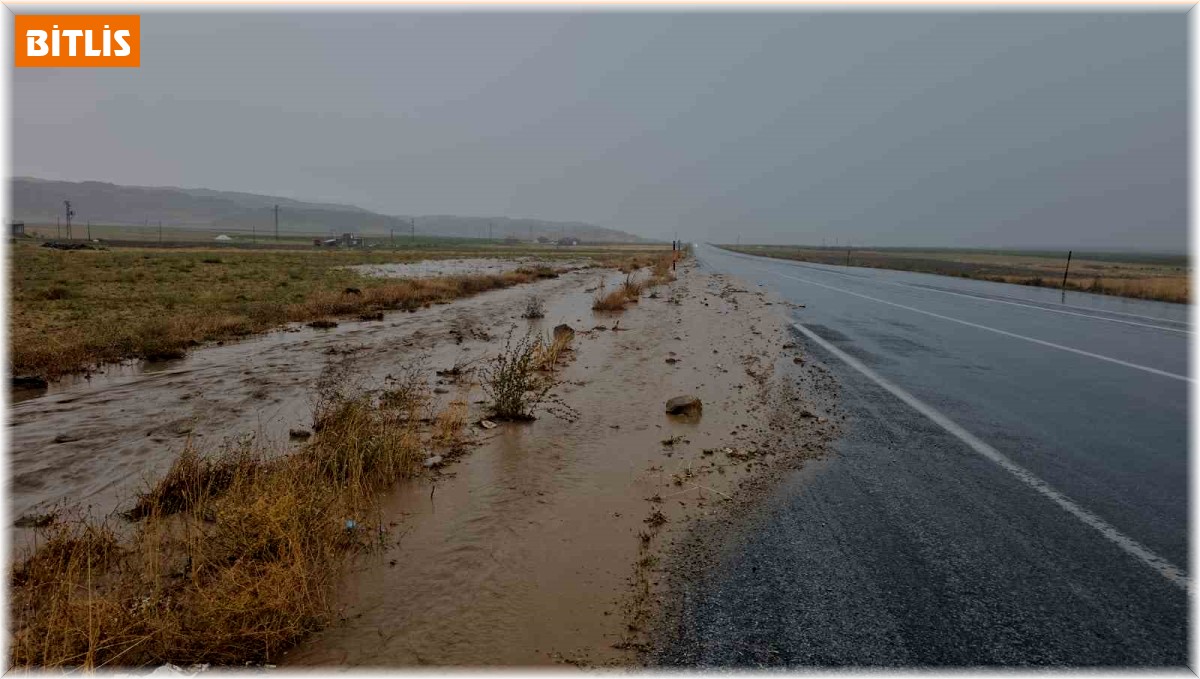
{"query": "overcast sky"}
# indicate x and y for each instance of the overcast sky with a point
(985, 129)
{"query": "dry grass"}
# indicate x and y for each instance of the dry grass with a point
(449, 425)
(233, 558)
(1160, 288)
(660, 271)
(1155, 277)
(612, 300)
(193, 480)
(632, 288)
(630, 263)
(550, 350)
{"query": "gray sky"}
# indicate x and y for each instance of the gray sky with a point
(984, 129)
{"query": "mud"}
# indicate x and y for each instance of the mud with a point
(551, 541)
(543, 545)
(429, 268)
(94, 441)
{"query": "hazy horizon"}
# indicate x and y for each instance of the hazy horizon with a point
(1040, 130)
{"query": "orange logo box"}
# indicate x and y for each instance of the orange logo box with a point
(74, 40)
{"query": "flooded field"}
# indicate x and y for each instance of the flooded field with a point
(541, 545)
(92, 441)
(455, 267)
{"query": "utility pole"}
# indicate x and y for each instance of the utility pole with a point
(489, 231)
(89, 230)
(58, 227)
(413, 222)
(393, 235)
(847, 256)
(70, 213)
(1064, 283)
(160, 232)
(277, 222)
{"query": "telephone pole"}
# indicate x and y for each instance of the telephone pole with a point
(413, 222)
(276, 222)
(160, 232)
(70, 213)
(1064, 283)
(89, 229)
(489, 231)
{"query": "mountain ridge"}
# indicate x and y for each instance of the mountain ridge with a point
(36, 200)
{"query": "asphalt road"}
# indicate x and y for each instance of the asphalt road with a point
(1010, 487)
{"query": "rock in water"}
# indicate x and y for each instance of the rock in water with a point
(684, 405)
(29, 382)
(564, 329)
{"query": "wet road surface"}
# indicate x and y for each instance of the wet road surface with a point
(1010, 487)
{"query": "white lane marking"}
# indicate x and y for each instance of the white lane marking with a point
(1127, 544)
(1081, 352)
(874, 279)
(1003, 301)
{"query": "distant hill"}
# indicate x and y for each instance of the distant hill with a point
(41, 201)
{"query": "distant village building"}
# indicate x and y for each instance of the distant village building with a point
(543, 240)
(17, 230)
(568, 240)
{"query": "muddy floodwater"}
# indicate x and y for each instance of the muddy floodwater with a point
(531, 550)
(542, 545)
(93, 441)
(428, 268)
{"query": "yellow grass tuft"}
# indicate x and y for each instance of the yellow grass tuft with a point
(233, 558)
(614, 300)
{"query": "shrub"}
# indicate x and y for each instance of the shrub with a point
(610, 301)
(535, 307)
(516, 386)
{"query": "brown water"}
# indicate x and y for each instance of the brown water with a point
(94, 441)
(427, 268)
(524, 552)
